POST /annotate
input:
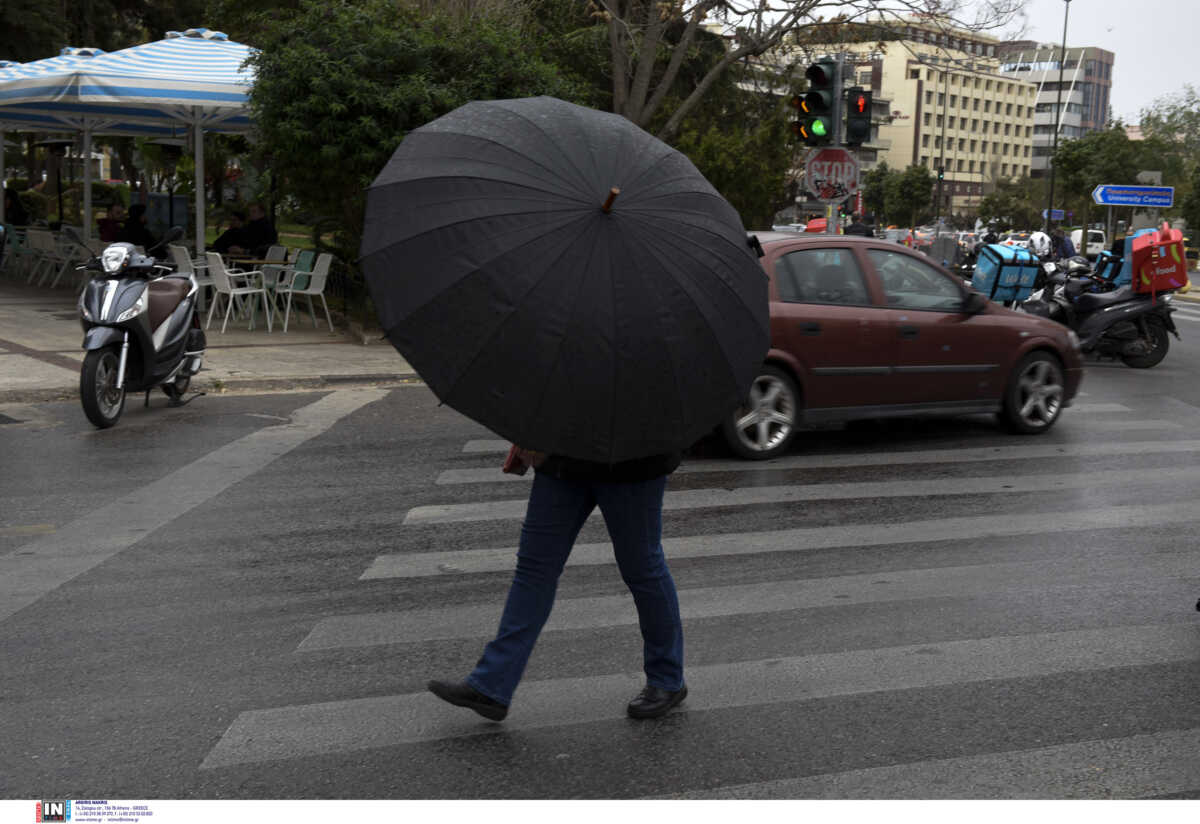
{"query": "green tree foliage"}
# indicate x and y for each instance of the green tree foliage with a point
(1175, 119)
(1190, 204)
(909, 193)
(1014, 204)
(1081, 165)
(340, 84)
(875, 185)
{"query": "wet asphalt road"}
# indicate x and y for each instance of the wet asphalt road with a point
(193, 619)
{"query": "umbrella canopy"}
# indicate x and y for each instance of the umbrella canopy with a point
(533, 300)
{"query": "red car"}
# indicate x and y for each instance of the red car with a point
(864, 328)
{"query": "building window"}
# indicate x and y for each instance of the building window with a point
(974, 125)
(924, 160)
(973, 145)
(1007, 127)
(971, 166)
(924, 141)
(1008, 108)
(941, 99)
(987, 87)
(962, 144)
(1020, 111)
(977, 82)
(914, 74)
(928, 98)
(1027, 151)
(959, 168)
(1027, 131)
(987, 105)
(937, 143)
(926, 118)
(996, 127)
(939, 121)
(954, 101)
(975, 104)
(864, 78)
(1004, 169)
(1005, 150)
(929, 74)
(983, 147)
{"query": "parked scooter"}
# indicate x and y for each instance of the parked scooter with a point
(1112, 321)
(140, 330)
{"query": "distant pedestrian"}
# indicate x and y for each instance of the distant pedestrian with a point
(258, 235)
(135, 230)
(857, 227)
(1040, 245)
(232, 238)
(111, 224)
(565, 491)
(1064, 249)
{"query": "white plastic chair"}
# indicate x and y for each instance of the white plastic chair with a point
(226, 282)
(310, 284)
(42, 252)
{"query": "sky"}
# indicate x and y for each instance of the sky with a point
(1156, 43)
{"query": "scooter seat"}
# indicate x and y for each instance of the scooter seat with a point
(165, 295)
(1091, 301)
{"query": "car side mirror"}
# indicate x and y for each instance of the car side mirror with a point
(974, 303)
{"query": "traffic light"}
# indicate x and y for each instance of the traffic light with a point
(858, 117)
(818, 107)
(941, 172)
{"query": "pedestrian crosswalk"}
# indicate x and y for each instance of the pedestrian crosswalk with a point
(1186, 311)
(836, 576)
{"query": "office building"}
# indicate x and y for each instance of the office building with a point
(1086, 81)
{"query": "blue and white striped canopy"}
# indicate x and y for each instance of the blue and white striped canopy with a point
(193, 77)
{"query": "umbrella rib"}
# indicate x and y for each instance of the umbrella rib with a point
(547, 272)
(553, 172)
(566, 192)
(663, 218)
(442, 226)
(582, 176)
(671, 272)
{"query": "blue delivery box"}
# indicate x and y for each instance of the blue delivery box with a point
(1005, 273)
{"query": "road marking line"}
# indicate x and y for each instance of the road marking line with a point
(27, 529)
(1167, 762)
(48, 563)
(839, 460)
(686, 499)
(486, 446)
(481, 620)
(421, 564)
(391, 720)
(1098, 408)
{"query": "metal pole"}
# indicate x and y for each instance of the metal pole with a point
(87, 181)
(1058, 114)
(937, 209)
(198, 148)
(831, 210)
(3, 176)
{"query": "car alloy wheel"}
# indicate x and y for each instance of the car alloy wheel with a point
(1035, 396)
(764, 426)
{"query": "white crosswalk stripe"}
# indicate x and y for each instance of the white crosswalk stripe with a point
(1060, 552)
(746, 496)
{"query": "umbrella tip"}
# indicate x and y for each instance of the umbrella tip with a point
(612, 195)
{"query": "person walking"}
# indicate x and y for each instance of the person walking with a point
(565, 492)
(857, 227)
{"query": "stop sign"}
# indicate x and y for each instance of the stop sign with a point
(831, 174)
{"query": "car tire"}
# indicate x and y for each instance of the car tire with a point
(1033, 399)
(766, 424)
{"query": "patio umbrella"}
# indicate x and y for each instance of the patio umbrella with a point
(565, 279)
(193, 80)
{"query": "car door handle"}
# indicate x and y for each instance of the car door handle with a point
(908, 332)
(809, 327)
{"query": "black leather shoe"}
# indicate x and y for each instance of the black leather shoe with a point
(462, 694)
(653, 702)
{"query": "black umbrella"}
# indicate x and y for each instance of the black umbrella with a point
(565, 279)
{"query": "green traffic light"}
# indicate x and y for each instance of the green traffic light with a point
(818, 127)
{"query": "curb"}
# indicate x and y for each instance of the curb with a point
(228, 387)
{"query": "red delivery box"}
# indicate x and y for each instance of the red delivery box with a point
(1158, 261)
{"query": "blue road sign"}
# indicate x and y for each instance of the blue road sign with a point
(1107, 194)
(1055, 214)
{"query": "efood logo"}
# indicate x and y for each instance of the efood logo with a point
(53, 811)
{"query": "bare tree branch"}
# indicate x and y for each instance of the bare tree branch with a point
(651, 37)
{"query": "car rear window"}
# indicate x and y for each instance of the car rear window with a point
(829, 276)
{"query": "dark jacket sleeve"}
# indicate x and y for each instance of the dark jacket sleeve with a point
(638, 469)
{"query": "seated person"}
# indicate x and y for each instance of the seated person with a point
(258, 236)
(135, 230)
(233, 237)
(110, 224)
(14, 210)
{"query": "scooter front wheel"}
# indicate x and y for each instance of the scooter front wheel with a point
(102, 401)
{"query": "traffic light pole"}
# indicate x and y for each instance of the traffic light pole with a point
(833, 211)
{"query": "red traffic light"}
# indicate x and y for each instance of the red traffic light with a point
(860, 103)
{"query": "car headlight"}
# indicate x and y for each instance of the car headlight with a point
(135, 310)
(113, 258)
(1074, 341)
(83, 310)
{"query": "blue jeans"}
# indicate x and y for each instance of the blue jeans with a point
(557, 511)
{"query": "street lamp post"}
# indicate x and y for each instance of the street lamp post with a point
(1058, 113)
